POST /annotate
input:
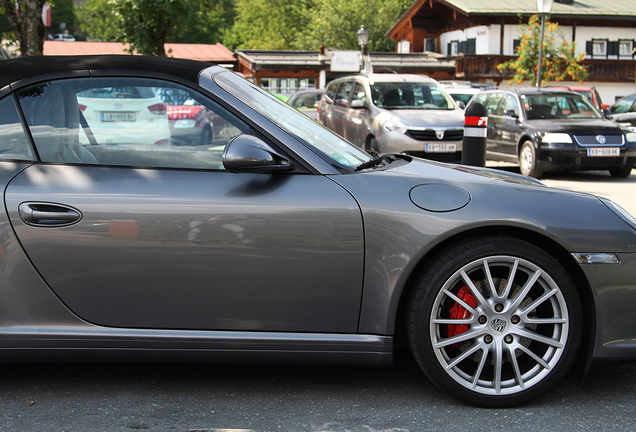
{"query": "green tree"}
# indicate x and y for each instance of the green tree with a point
(269, 24)
(62, 11)
(335, 23)
(26, 24)
(146, 24)
(150, 24)
(558, 63)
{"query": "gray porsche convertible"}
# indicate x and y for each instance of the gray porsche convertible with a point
(278, 241)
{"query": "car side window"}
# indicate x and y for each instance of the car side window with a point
(342, 97)
(359, 93)
(508, 106)
(127, 122)
(330, 93)
(624, 105)
(492, 102)
(14, 144)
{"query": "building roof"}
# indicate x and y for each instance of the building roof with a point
(261, 59)
(211, 53)
(578, 7)
(582, 9)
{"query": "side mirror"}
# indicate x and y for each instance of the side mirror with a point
(247, 153)
(607, 113)
(461, 104)
(358, 104)
(511, 113)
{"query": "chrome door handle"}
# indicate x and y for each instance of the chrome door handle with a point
(48, 214)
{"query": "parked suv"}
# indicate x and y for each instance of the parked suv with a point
(392, 113)
(549, 130)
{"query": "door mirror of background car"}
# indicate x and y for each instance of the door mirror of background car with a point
(358, 104)
(247, 153)
(461, 104)
(511, 113)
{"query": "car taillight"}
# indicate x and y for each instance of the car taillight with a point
(82, 107)
(319, 102)
(158, 109)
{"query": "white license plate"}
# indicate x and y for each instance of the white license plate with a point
(600, 151)
(118, 116)
(440, 148)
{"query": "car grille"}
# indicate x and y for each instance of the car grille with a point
(590, 140)
(430, 135)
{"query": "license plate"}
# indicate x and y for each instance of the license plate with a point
(600, 151)
(118, 116)
(440, 148)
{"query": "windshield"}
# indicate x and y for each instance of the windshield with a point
(558, 106)
(421, 96)
(324, 142)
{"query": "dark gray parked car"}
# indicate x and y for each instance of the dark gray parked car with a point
(288, 244)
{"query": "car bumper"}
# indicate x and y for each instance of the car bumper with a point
(562, 157)
(440, 150)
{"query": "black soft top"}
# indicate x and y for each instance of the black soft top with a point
(18, 69)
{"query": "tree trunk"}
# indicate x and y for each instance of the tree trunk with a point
(27, 24)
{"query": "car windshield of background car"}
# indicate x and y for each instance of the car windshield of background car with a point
(558, 106)
(419, 96)
(321, 139)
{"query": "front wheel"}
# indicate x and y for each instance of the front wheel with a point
(621, 172)
(528, 160)
(495, 322)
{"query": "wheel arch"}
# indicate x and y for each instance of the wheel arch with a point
(522, 139)
(548, 245)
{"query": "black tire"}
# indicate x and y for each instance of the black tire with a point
(514, 341)
(528, 160)
(621, 172)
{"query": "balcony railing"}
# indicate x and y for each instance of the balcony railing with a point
(476, 67)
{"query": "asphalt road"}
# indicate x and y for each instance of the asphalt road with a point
(244, 398)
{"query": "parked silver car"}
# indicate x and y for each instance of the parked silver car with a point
(390, 113)
(286, 243)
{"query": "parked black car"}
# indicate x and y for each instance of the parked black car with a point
(550, 130)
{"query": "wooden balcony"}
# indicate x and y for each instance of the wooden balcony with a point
(484, 67)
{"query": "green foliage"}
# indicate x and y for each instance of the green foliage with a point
(559, 61)
(148, 24)
(98, 20)
(62, 11)
(306, 24)
(335, 23)
(269, 24)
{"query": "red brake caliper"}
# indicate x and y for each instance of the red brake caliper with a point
(459, 312)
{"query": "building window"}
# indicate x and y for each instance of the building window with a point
(453, 48)
(287, 86)
(404, 47)
(597, 48)
(626, 48)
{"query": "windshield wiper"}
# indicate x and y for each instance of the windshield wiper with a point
(376, 161)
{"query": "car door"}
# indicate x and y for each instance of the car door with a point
(340, 109)
(358, 124)
(135, 234)
(507, 128)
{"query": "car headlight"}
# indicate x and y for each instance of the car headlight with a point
(394, 125)
(619, 211)
(557, 138)
(630, 136)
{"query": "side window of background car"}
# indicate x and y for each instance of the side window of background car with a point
(127, 122)
(14, 144)
(492, 102)
(342, 97)
(359, 93)
(624, 105)
(330, 93)
(508, 106)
